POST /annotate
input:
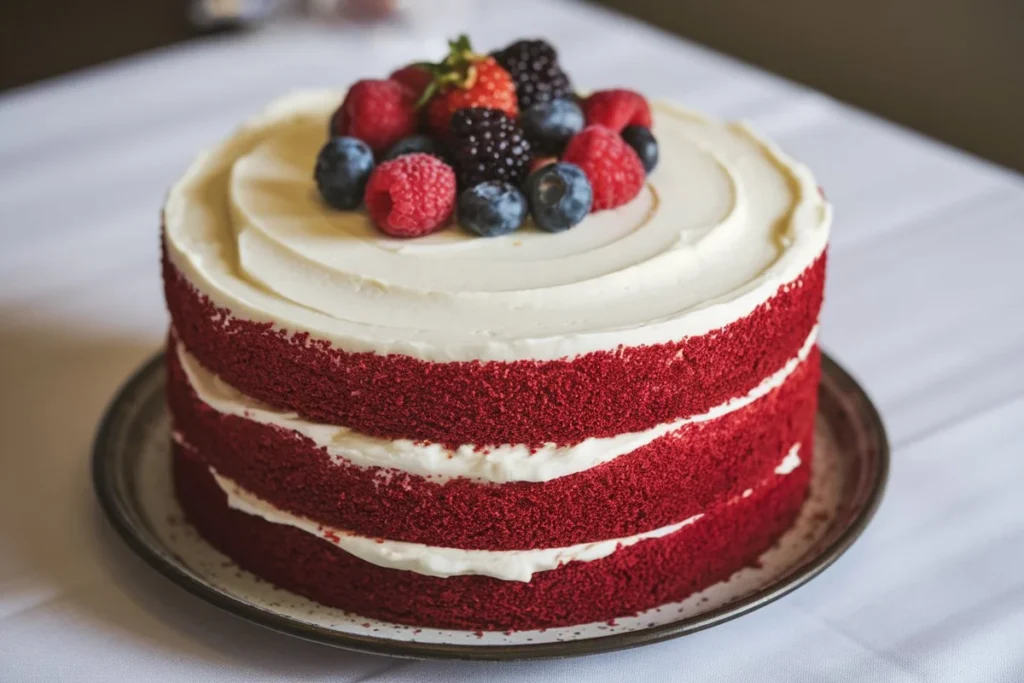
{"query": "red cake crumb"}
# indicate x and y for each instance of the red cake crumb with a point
(645, 575)
(454, 403)
(666, 481)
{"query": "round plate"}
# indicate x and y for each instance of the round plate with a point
(131, 473)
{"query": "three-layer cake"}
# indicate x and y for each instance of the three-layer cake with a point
(524, 431)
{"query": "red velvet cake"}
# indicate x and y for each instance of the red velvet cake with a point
(534, 428)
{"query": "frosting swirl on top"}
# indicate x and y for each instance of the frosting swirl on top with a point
(722, 223)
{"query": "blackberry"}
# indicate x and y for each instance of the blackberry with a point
(488, 144)
(535, 71)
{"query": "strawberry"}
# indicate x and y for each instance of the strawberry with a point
(465, 79)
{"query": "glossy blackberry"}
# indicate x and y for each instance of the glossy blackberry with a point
(487, 144)
(534, 67)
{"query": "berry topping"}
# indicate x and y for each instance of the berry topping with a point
(380, 113)
(465, 79)
(342, 169)
(643, 143)
(560, 196)
(411, 196)
(414, 144)
(413, 78)
(487, 144)
(485, 132)
(533, 65)
(615, 171)
(492, 208)
(617, 109)
(549, 125)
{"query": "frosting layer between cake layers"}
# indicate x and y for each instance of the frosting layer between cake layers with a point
(495, 464)
(686, 297)
(637, 576)
(508, 565)
(358, 483)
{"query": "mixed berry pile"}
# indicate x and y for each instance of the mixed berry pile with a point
(494, 138)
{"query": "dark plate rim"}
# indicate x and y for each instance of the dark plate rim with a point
(131, 527)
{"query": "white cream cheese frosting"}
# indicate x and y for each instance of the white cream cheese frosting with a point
(789, 463)
(507, 565)
(501, 464)
(722, 224)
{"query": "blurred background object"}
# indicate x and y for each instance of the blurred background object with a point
(39, 39)
(206, 14)
(952, 69)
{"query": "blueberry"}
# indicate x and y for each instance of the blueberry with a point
(549, 125)
(342, 169)
(643, 143)
(492, 208)
(414, 144)
(560, 196)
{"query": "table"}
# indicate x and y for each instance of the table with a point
(925, 304)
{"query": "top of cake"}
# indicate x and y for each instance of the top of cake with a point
(719, 226)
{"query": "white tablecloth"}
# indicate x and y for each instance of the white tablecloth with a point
(925, 304)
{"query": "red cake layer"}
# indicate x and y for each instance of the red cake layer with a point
(666, 481)
(531, 402)
(633, 579)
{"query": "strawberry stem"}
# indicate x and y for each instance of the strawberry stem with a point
(457, 69)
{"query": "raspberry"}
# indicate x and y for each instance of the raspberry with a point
(617, 109)
(613, 168)
(411, 196)
(488, 144)
(534, 67)
(380, 113)
(414, 78)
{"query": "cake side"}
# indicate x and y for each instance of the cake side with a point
(530, 430)
(501, 498)
(495, 402)
(644, 575)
